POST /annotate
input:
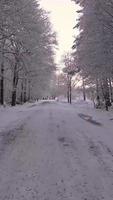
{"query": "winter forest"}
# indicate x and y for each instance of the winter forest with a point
(27, 53)
(27, 44)
(93, 48)
(91, 56)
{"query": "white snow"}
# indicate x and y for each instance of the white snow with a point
(11, 116)
(61, 152)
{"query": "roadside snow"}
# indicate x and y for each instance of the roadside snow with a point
(12, 116)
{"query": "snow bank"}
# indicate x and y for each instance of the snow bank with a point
(11, 116)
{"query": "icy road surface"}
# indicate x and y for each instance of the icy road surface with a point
(59, 152)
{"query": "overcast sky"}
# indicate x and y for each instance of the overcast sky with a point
(63, 17)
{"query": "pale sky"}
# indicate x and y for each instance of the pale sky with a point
(63, 17)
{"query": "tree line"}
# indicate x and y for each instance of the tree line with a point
(27, 44)
(93, 48)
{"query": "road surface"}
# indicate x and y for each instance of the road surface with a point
(60, 152)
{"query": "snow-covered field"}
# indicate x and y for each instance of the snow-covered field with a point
(55, 151)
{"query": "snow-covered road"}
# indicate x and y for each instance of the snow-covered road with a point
(60, 152)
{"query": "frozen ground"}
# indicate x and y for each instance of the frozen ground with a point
(54, 151)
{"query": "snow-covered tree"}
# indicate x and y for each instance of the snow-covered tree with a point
(94, 46)
(27, 48)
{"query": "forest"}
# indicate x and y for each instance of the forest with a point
(27, 51)
(27, 48)
(93, 48)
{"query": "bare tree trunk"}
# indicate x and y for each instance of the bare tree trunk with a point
(13, 97)
(21, 96)
(111, 90)
(97, 94)
(29, 90)
(70, 91)
(15, 82)
(106, 93)
(102, 90)
(2, 84)
(2, 74)
(25, 99)
(25, 88)
(97, 87)
(84, 91)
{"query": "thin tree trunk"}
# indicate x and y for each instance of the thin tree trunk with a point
(29, 90)
(25, 88)
(84, 91)
(70, 91)
(15, 82)
(106, 93)
(102, 89)
(2, 74)
(14, 97)
(97, 88)
(97, 93)
(2, 84)
(111, 90)
(21, 97)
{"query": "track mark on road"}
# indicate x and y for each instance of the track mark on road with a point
(89, 118)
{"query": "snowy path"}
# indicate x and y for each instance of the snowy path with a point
(59, 155)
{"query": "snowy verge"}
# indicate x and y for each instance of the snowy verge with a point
(10, 117)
